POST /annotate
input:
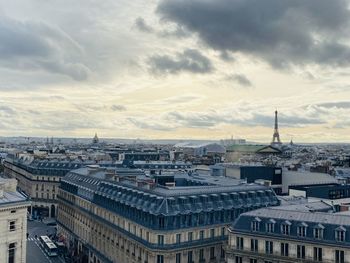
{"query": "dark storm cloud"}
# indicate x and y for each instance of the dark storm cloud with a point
(283, 33)
(37, 46)
(189, 60)
(177, 31)
(141, 25)
(241, 80)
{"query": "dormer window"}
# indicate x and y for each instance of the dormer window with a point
(270, 226)
(255, 224)
(340, 234)
(285, 228)
(301, 230)
(318, 231)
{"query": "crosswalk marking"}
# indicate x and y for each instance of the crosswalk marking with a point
(32, 239)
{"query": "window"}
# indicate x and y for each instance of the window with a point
(239, 243)
(178, 238)
(190, 257)
(285, 228)
(301, 230)
(212, 252)
(238, 259)
(190, 236)
(318, 232)
(222, 253)
(269, 247)
(212, 232)
(254, 245)
(284, 249)
(160, 258)
(12, 226)
(201, 234)
(255, 226)
(178, 258)
(340, 234)
(253, 260)
(339, 256)
(270, 227)
(160, 240)
(223, 231)
(161, 222)
(12, 250)
(317, 253)
(301, 251)
(201, 254)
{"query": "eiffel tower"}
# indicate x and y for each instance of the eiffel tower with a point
(276, 136)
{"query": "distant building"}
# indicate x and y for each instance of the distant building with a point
(161, 165)
(325, 191)
(130, 157)
(13, 222)
(39, 179)
(294, 178)
(201, 149)
(267, 173)
(289, 235)
(108, 217)
(95, 140)
(237, 151)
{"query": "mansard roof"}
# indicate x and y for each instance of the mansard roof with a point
(163, 200)
(328, 222)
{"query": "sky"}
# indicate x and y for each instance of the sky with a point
(175, 69)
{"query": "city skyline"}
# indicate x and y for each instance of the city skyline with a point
(158, 71)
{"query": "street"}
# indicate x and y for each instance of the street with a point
(35, 253)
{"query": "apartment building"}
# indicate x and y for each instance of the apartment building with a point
(13, 222)
(106, 216)
(287, 235)
(39, 179)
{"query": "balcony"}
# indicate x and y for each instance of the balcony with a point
(231, 253)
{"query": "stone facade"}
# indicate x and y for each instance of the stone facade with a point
(285, 236)
(13, 223)
(126, 220)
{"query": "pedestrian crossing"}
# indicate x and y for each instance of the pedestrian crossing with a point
(32, 239)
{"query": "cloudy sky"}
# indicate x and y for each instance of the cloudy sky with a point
(203, 69)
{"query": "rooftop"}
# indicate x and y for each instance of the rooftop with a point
(8, 193)
(184, 193)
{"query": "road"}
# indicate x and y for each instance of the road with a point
(35, 254)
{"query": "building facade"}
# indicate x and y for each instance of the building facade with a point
(39, 179)
(13, 223)
(104, 217)
(289, 235)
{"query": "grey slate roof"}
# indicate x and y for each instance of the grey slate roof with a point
(329, 222)
(172, 200)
